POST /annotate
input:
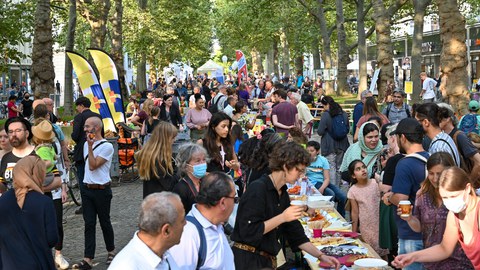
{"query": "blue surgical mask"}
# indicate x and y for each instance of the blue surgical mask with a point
(199, 170)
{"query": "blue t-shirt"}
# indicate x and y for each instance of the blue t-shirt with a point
(409, 174)
(314, 172)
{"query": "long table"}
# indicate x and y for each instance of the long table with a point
(313, 262)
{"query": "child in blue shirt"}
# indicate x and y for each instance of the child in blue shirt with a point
(318, 172)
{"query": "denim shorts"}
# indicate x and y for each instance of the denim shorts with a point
(407, 246)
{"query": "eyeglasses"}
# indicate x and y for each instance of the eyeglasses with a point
(10, 132)
(302, 171)
(397, 97)
(235, 199)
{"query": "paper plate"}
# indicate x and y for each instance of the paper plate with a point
(370, 262)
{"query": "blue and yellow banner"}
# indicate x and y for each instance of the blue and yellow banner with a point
(91, 89)
(109, 82)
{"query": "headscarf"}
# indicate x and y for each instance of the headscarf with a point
(355, 151)
(28, 175)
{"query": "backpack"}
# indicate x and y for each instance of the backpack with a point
(465, 163)
(202, 250)
(421, 158)
(339, 127)
(469, 124)
(214, 105)
(405, 106)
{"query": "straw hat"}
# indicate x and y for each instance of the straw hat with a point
(43, 131)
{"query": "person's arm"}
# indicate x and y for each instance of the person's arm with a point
(278, 124)
(315, 252)
(56, 183)
(395, 198)
(326, 180)
(50, 226)
(412, 221)
(355, 214)
(94, 162)
(436, 253)
(77, 128)
(475, 173)
(188, 119)
(64, 150)
(322, 125)
(297, 121)
(135, 120)
(355, 136)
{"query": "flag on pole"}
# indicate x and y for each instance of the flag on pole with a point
(91, 88)
(109, 82)
(242, 65)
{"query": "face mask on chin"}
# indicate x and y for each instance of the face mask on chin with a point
(456, 204)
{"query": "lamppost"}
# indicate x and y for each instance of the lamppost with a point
(224, 60)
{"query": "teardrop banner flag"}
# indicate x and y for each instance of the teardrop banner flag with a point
(91, 88)
(242, 65)
(109, 82)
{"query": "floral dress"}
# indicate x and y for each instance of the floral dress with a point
(243, 121)
(368, 200)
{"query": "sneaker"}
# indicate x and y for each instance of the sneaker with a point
(61, 262)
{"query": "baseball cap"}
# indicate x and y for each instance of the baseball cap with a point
(408, 126)
(473, 105)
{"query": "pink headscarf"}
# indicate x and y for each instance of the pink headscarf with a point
(28, 175)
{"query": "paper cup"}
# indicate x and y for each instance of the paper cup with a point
(406, 207)
(298, 203)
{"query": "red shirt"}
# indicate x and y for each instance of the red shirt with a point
(11, 112)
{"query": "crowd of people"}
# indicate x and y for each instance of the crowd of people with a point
(220, 201)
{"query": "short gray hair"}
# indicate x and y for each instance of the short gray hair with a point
(391, 129)
(365, 93)
(213, 187)
(185, 153)
(296, 96)
(157, 210)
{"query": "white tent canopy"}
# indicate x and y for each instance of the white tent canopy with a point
(355, 65)
(209, 66)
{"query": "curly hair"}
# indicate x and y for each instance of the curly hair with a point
(255, 153)
(289, 155)
(297, 135)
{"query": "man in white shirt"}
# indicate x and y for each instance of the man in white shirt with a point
(191, 100)
(428, 88)
(304, 115)
(161, 223)
(203, 244)
(220, 98)
(231, 101)
(97, 192)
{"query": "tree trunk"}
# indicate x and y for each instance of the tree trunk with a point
(299, 63)
(43, 73)
(257, 65)
(316, 53)
(68, 84)
(420, 7)
(269, 61)
(326, 52)
(454, 55)
(142, 73)
(96, 14)
(362, 47)
(384, 47)
(117, 46)
(285, 54)
(343, 59)
(275, 59)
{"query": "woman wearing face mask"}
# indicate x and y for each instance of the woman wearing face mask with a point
(192, 166)
(462, 225)
(430, 214)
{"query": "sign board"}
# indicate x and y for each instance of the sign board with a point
(409, 87)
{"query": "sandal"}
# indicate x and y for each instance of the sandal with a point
(82, 265)
(110, 257)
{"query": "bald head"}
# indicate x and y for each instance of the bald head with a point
(49, 103)
(36, 102)
(94, 125)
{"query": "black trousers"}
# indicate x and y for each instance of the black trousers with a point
(57, 203)
(96, 202)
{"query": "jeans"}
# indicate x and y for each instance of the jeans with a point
(338, 196)
(335, 161)
(80, 166)
(96, 202)
(406, 246)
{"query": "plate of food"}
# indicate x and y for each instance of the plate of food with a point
(347, 260)
(341, 234)
(295, 190)
(332, 241)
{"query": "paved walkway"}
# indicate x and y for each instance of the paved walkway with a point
(126, 201)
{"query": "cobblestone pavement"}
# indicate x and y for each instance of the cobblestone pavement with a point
(126, 201)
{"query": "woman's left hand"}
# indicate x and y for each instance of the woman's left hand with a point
(232, 164)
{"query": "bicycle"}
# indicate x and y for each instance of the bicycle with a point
(74, 186)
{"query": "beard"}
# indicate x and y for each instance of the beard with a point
(16, 142)
(401, 149)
